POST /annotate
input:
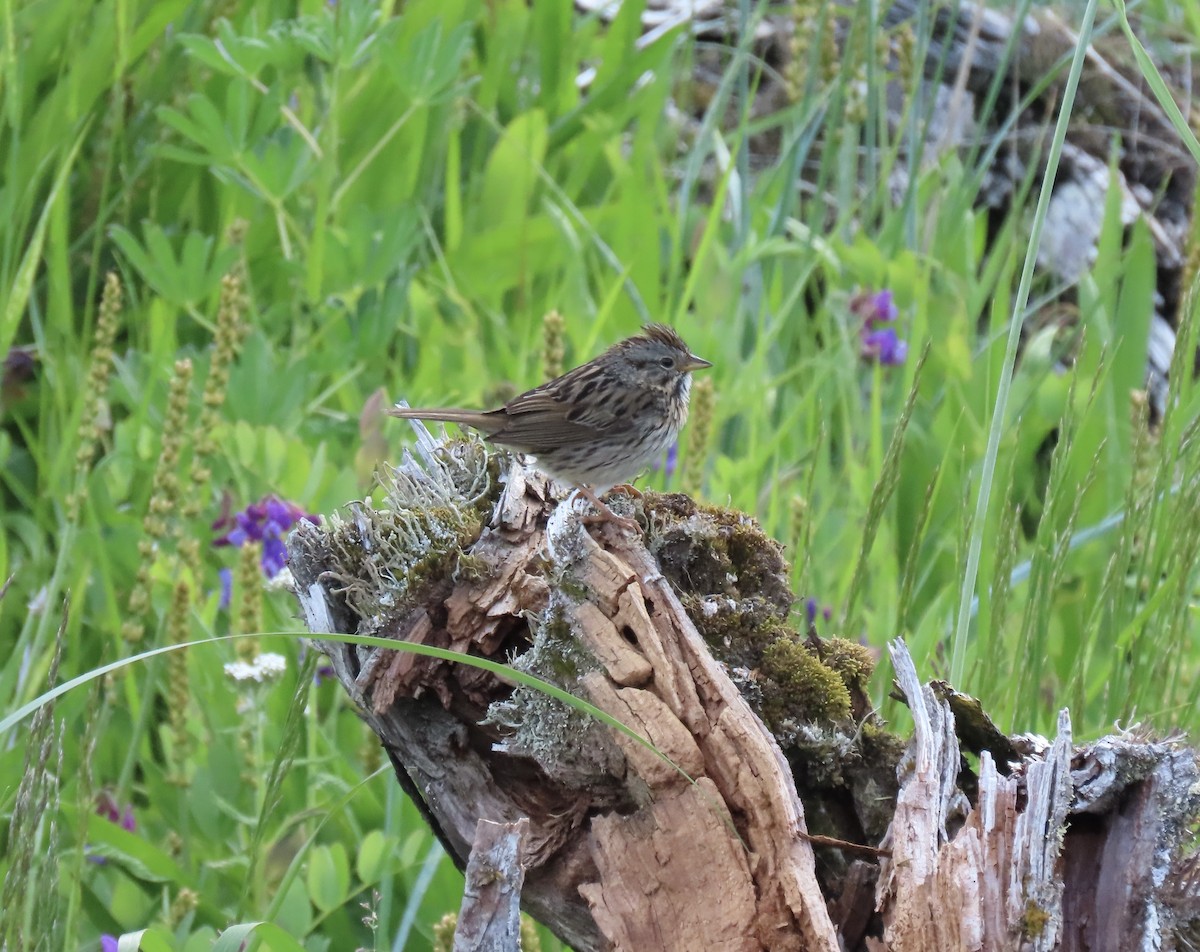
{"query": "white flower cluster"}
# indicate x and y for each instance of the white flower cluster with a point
(266, 667)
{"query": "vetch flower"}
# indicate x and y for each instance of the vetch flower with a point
(226, 577)
(883, 308)
(669, 462)
(885, 347)
(267, 522)
(672, 460)
(107, 807)
(812, 608)
(108, 943)
(878, 340)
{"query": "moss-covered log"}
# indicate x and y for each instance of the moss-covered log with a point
(682, 633)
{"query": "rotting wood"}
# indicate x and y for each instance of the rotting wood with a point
(998, 870)
(490, 917)
(625, 852)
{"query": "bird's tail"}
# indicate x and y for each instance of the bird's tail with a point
(476, 418)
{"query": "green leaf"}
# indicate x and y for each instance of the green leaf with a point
(202, 940)
(184, 280)
(18, 297)
(511, 175)
(428, 63)
(237, 937)
(414, 844)
(231, 54)
(205, 126)
(204, 50)
(328, 876)
(135, 253)
(619, 47)
(141, 858)
(278, 166)
(374, 852)
(147, 940)
(293, 910)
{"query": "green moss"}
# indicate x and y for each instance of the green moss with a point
(1035, 920)
(706, 550)
(879, 745)
(754, 554)
(737, 632)
(801, 688)
(853, 662)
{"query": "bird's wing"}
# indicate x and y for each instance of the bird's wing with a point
(540, 400)
(540, 428)
(564, 411)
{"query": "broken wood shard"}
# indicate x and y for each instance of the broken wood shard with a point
(490, 917)
(1023, 867)
(762, 738)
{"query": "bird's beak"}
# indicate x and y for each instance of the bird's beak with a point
(695, 363)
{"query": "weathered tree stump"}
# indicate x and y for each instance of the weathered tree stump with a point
(680, 634)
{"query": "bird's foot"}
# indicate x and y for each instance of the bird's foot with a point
(604, 514)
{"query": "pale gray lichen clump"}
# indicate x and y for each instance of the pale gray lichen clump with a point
(571, 746)
(436, 503)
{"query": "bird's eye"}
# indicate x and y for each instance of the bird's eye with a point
(667, 363)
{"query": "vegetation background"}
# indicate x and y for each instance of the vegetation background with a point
(310, 209)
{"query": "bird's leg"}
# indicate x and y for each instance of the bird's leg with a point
(627, 489)
(604, 514)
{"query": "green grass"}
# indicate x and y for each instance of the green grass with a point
(400, 197)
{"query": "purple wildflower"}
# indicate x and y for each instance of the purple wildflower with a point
(226, 577)
(266, 521)
(107, 807)
(812, 608)
(885, 347)
(108, 943)
(878, 340)
(324, 672)
(19, 367)
(883, 308)
(669, 462)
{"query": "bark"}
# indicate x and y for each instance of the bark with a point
(761, 738)
(490, 918)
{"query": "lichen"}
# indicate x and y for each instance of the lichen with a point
(382, 560)
(570, 745)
